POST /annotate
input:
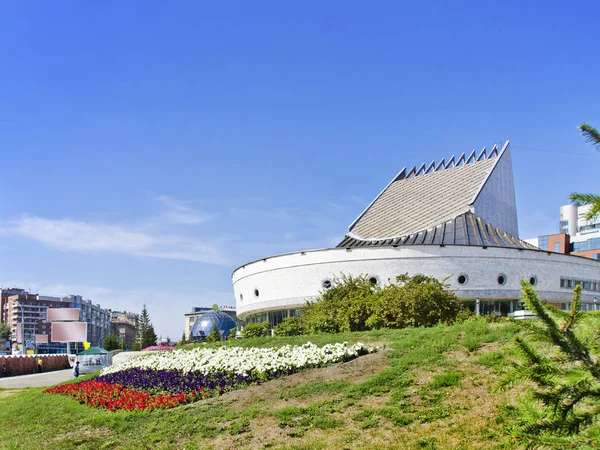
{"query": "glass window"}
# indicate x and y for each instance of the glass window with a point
(557, 247)
(543, 242)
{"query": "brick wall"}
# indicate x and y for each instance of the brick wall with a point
(22, 365)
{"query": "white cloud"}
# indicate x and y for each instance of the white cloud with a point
(179, 212)
(72, 235)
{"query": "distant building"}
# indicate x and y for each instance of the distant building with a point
(23, 310)
(26, 313)
(124, 325)
(198, 311)
(577, 236)
(96, 317)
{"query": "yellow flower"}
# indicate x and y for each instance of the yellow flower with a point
(86, 345)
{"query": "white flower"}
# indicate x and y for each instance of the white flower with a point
(242, 361)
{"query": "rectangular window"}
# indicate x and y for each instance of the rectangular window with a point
(543, 242)
(557, 247)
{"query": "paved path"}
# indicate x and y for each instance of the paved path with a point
(36, 379)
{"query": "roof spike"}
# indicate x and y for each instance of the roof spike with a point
(430, 166)
(494, 151)
(471, 157)
(420, 170)
(450, 164)
(461, 160)
(411, 172)
(482, 155)
(440, 165)
(401, 175)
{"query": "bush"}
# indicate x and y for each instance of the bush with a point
(232, 333)
(356, 304)
(213, 336)
(256, 330)
(343, 307)
(291, 326)
(464, 315)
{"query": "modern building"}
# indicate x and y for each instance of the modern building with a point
(197, 312)
(212, 320)
(577, 236)
(454, 220)
(124, 325)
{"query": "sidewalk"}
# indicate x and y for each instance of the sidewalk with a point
(36, 379)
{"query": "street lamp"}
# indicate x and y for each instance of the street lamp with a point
(595, 305)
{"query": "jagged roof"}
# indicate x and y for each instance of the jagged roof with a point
(423, 197)
(465, 229)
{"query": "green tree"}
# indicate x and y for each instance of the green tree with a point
(111, 342)
(213, 336)
(291, 326)
(145, 333)
(4, 331)
(560, 354)
(215, 307)
(593, 136)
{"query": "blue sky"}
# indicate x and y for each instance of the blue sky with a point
(150, 148)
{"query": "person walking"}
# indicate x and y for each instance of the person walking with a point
(76, 369)
(4, 370)
(39, 364)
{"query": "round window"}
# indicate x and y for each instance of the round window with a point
(326, 284)
(256, 293)
(374, 280)
(501, 279)
(533, 280)
(462, 279)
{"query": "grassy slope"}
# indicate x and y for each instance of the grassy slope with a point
(431, 388)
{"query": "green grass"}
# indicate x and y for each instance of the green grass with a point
(414, 384)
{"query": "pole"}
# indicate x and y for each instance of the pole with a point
(477, 306)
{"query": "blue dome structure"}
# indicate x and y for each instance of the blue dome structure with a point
(211, 320)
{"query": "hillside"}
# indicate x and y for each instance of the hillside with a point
(425, 388)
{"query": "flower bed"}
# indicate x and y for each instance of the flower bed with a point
(167, 379)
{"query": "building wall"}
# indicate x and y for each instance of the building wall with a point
(593, 254)
(568, 219)
(287, 281)
(559, 243)
(496, 201)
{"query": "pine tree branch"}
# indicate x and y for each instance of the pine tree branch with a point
(590, 134)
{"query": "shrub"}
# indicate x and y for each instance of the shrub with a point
(232, 333)
(343, 307)
(256, 330)
(356, 304)
(291, 326)
(213, 336)
(464, 315)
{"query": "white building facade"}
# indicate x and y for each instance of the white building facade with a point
(446, 220)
